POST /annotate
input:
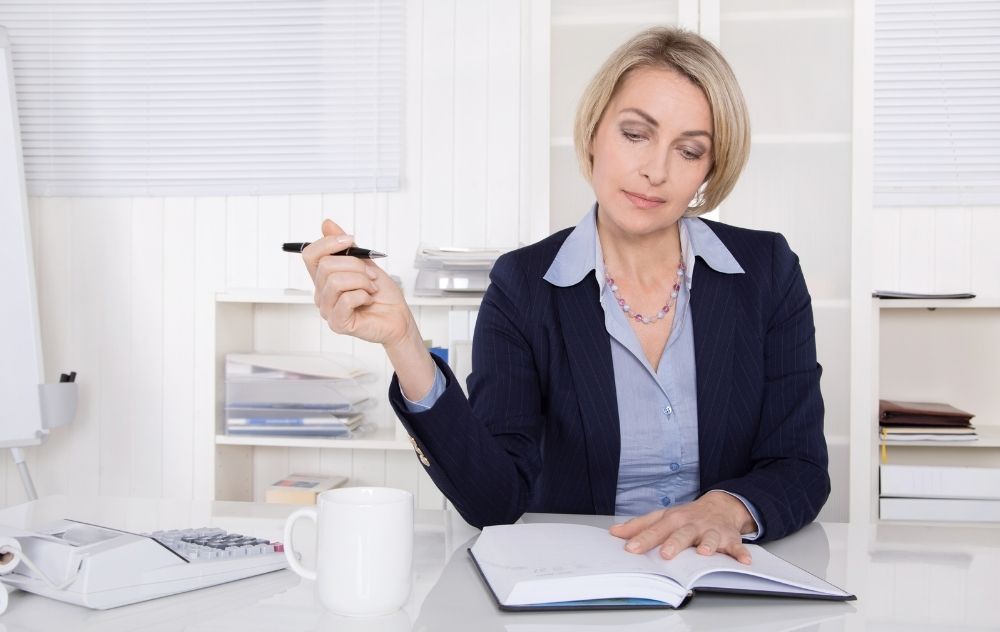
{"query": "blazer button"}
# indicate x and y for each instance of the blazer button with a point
(420, 453)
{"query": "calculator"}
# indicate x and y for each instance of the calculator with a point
(99, 567)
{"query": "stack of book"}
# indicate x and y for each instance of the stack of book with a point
(923, 421)
(939, 493)
(294, 395)
(301, 489)
(444, 271)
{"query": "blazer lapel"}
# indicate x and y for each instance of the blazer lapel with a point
(714, 312)
(589, 350)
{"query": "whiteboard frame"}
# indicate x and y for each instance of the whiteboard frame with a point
(21, 366)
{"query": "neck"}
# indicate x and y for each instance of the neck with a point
(644, 259)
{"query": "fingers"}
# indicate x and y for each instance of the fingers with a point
(679, 540)
(334, 240)
(738, 551)
(677, 529)
(342, 316)
(652, 535)
(710, 541)
(632, 527)
(330, 228)
(340, 274)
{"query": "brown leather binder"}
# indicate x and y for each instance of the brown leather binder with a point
(898, 413)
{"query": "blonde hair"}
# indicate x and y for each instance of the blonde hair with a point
(697, 59)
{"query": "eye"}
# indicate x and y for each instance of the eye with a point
(632, 137)
(690, 154)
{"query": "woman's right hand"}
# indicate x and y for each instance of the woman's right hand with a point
(355, 296)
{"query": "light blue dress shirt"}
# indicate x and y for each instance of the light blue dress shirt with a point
(657, 409)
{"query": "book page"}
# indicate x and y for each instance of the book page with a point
(767, 573)
(513, 554)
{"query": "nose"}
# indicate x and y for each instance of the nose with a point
(654, 169)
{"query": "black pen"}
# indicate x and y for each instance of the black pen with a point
(351, 251)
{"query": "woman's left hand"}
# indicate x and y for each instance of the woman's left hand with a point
(715, 522)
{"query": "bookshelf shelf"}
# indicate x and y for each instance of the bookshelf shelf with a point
(980, 302)
(278, 296)
(381, 439)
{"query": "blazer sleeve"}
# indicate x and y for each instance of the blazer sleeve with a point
(483, 453)
(788, 482)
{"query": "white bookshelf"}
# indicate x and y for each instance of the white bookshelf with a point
(273, 320)
(942, 350)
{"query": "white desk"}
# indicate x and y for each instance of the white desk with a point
(906, 578)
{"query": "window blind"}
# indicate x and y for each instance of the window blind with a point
(177, 97)
(937, 103)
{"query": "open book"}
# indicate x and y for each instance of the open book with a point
(567, 566)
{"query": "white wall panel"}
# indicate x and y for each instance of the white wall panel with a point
(210, 262)
(916, 250)
(952, 241)
(437, 132)
(272, 230)
(241, 241)
(179, 274)
(145, 388)
(115, 338)
(502, 123)
(985, 267)
(473, 113)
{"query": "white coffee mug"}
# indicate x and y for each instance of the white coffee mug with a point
(364, 549)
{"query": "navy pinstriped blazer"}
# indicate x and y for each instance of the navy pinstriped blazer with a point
(540, 430)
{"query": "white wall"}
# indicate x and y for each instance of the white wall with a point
(126, 285)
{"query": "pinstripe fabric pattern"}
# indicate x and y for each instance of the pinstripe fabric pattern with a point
(541, 429)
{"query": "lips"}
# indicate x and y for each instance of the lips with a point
(642, 201)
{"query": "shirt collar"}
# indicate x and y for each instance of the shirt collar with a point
(581, 252)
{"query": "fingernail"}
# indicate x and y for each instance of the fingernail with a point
(668, 551)
(372, 274)
(374, 288)
(345, 239)
(632, 546)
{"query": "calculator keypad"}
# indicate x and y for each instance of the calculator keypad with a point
(211, 543)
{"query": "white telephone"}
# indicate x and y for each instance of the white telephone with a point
(99, 567)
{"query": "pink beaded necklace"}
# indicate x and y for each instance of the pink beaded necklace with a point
(671, 300)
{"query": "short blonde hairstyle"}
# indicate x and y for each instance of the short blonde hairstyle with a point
(697, 59)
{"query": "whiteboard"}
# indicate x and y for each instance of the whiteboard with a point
(21, 368)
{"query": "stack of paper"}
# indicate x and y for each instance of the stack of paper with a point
(443, 271)
(294, 395)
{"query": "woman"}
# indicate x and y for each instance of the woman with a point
(645, 363)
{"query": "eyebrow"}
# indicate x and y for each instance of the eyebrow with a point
(652, 121)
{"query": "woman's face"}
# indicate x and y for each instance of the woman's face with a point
(652, 150)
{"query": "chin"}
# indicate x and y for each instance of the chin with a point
(639, 222)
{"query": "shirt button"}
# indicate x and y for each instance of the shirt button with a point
(667, 410)
(674, 467)
(666, 501)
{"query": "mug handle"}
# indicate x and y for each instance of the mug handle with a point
(293, 563)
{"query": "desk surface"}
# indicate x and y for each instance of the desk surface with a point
(906, 578)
